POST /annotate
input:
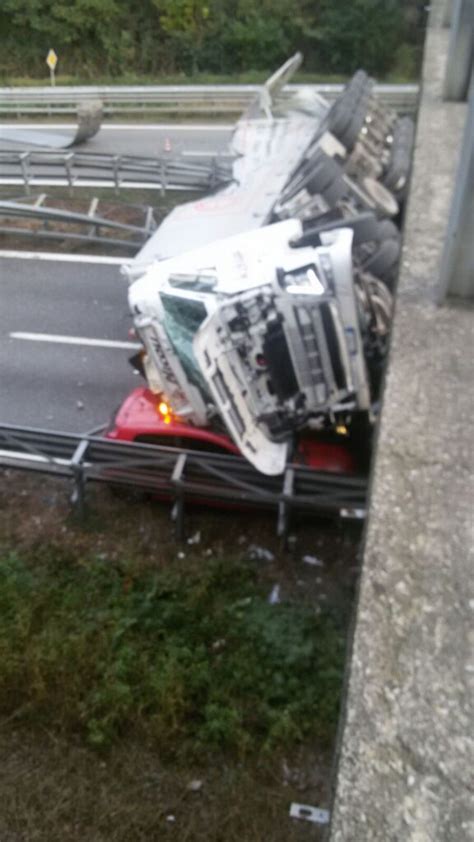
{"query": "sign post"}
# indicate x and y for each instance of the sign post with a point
(51, 61)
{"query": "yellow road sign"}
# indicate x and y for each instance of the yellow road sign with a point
(51, 60)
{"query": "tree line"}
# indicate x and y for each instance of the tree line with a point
(157, 37)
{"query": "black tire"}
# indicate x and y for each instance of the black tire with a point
(316, 174)
(365, 227)
(335, 192)
(347, 114)
(326, 178)
(383, 262)
(339, 118)
(323, 172)
(387, 230)
(349, 137)
(398, 168)
(385, 201)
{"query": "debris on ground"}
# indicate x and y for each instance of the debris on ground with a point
(196, 538)
(274, 597)
(311, 559)
(308, 813)
(195, 785)
(257, 553)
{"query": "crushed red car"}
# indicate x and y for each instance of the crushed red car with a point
(146, 418)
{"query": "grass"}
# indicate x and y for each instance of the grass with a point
(405, 69)
(195, 661)
(249, 78)
(109, 631)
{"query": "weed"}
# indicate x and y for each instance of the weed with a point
(195, 658)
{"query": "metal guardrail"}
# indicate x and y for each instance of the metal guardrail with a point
(86, 169)
(181, 476)
(174, 99)
(73, 226)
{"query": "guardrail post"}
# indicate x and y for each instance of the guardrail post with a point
(163, 178)
(116, 164)
(457, 262)
(460, 55)
(24, 161)
(68, 160)
(79, 490)
(284, 506)
(178, 508)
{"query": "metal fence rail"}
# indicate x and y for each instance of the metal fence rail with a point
(175, 99)
(181, 476)
(87, 169)
(43, 221)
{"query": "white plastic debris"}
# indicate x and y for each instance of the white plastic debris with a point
(260, 553)
(181, 555)
(195, 539)
(353, 514)
(274, 597)
(311, 559)
(170, 818)
(195, 785)
(309, 814)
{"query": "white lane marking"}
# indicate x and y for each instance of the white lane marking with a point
(75, 340)
(118, 127)
(53, 181)
(203, 154)
(71, 258)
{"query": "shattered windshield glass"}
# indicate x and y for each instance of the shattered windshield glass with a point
(196, 283)
(183, 317)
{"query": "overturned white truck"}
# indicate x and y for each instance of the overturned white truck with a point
(267, 306)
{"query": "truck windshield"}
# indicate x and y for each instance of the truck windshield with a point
(183, 317)
(196, 283)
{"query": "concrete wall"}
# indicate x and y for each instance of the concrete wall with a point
(406, 755)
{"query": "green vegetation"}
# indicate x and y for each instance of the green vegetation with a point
(113, 38)
(194, 659)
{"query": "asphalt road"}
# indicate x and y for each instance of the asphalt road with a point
(75, 387)
(128, 139)
(55, 386)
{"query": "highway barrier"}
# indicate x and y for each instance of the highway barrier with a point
(205, 100)
(181, 476)
(89, 169)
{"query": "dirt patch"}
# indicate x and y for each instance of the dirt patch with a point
(52, 790)
(320, 560)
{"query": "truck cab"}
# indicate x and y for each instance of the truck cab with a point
(260, 333)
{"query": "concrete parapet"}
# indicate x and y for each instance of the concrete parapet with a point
(406, 754)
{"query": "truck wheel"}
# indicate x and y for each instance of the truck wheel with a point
(385, 202)
(387, 230)
(335, 192)
(398, 167)
(347, 114)
(339, 118)
(349, 136)
(366, 228)
(383, 262)
(325, 171)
